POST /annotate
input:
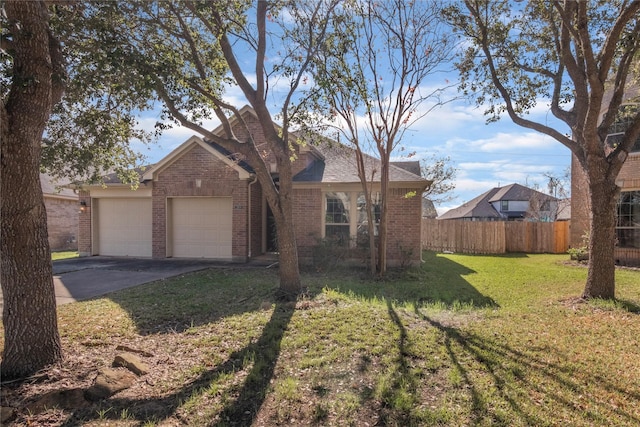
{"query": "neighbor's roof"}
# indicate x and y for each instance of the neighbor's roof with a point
(516, 192)
(481, 206)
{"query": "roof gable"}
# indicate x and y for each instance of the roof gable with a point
(242, 168)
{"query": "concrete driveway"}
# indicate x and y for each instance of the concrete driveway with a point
(82, 278)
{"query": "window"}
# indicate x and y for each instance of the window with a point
(504, 205)
(337, 217)
(346, 216)
(363, 221)
(625, 117)
(628, 221)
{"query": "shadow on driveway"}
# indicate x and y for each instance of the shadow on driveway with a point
(87, 277)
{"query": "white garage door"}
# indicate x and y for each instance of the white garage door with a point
(202, 227)
(124, 227)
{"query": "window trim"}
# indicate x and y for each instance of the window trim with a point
(633, 211)
(353, 211)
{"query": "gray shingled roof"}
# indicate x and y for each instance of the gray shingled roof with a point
(479, 207)
(335, 162)
(113, 178)
(332, 163)
(412, 166)
(55, 188)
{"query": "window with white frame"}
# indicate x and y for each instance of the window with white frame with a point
(337, 217)
(628, 220)
(346, 216)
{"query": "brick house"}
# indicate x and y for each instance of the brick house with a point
(201, 202)
(627, 250)
(62, 207)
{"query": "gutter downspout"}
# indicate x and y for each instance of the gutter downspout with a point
(249, 234)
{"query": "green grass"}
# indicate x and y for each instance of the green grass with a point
(464, 340)
(63, 255)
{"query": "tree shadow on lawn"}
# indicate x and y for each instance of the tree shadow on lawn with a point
(438, 281)
(194, 299)
(512, 374)
(200, 298)
(247, 399)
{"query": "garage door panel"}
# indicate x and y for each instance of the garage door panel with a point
(202, 227)
(124, 227)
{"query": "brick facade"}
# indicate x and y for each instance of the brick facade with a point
(62, 222)
(628, 180)
(580, 206)
(307, 220)
(198, 173)
(84, 225)
(404, 227)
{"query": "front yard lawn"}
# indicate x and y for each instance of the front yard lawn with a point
(465, 340)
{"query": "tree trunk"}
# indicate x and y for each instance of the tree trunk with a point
(603, 194)
(289, 268)
(382, 229)
(371, 226)
(31, 338)
(281, 202)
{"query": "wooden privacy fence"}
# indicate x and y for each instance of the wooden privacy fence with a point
(495, 237)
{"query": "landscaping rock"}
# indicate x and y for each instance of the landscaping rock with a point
(62, 399)
(109, 382)
(132, 363)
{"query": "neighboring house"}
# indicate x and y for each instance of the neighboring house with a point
(513, 202)
(62, 214)
(627, 251)
(201, 202)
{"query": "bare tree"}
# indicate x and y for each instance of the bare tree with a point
(373, 75)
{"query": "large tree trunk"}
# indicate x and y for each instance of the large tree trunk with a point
(603, 194)
(289, 269)
(29, 316)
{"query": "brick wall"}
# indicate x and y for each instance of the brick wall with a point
(628, 180)
(404, 227)
(580, 206)
(256, 219)
(199, 173)
(84, 225)
(62, 223)
(307, 220)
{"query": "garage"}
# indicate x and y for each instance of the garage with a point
(201, 227)
(124, 226)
